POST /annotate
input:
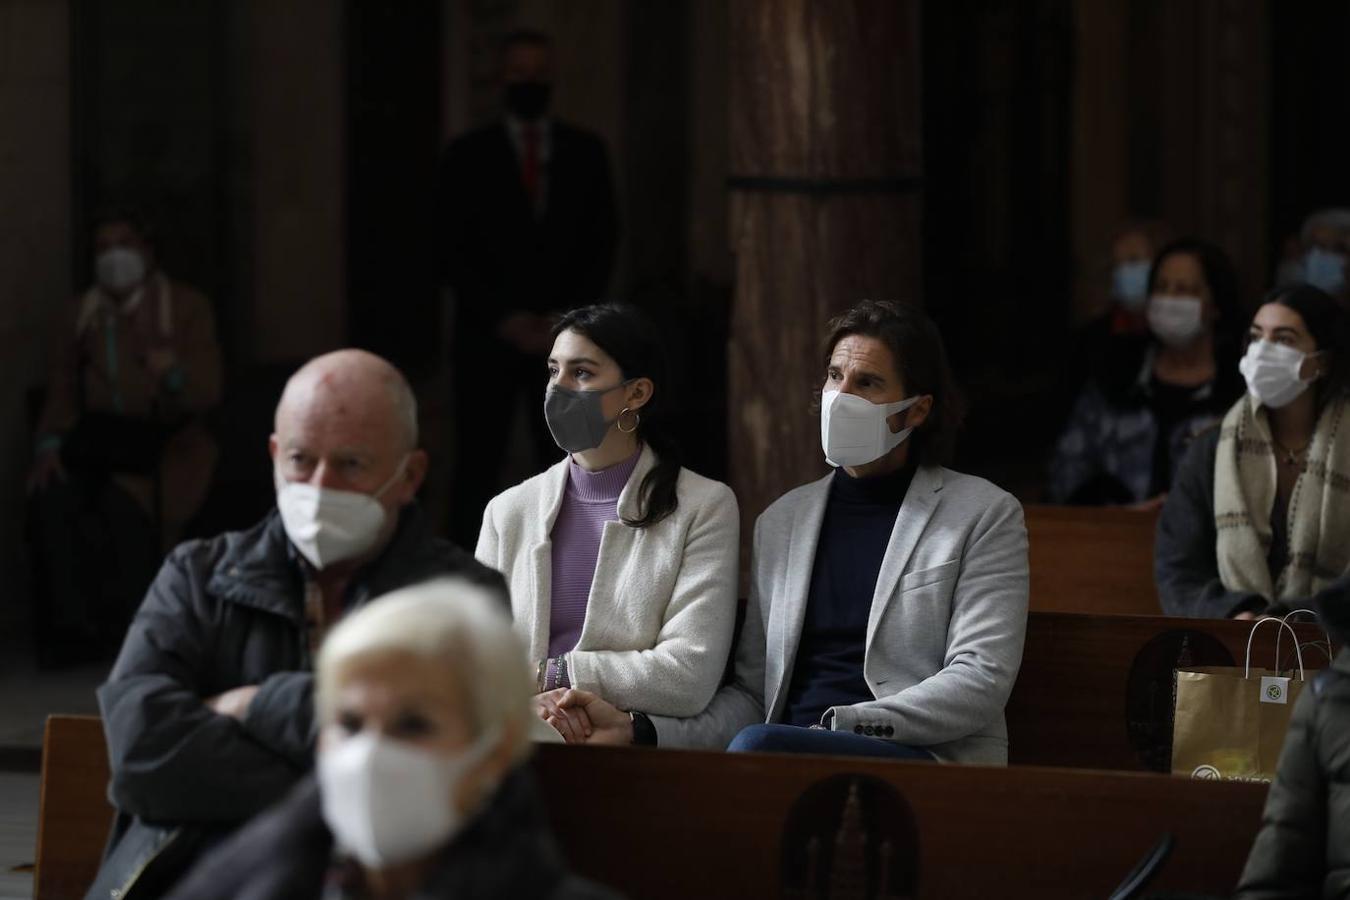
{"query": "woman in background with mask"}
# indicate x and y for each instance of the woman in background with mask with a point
(622, 565)
(120, 447)
(422, 698)
(1259, 517)
(1129, 431)
(888, 600)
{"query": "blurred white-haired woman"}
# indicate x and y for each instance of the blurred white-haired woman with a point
(423, 704)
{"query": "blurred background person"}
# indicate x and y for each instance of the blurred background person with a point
(122, 458)
(528, 230)
(423, 704)
(1259, 517)
(1319, 254)
(635, 596)
(1111, 344)
(1130, 427)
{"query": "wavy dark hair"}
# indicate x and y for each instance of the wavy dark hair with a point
(921, 362)
(633, 341)
(1329, 324)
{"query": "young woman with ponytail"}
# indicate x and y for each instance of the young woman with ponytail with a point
(622, 564)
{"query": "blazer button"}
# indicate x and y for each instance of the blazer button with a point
(890, 730)
(869, 731)
(857, 729)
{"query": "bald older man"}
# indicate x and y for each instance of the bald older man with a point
(208, 709)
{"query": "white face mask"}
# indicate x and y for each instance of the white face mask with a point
(853, 431)
(1272, 372)
(119, 269)
(388, 802)
(1175, 320)
(328, 526)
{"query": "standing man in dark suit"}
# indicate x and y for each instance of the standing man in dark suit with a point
(528, 224)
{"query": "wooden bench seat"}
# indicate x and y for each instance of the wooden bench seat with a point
(1092, 560)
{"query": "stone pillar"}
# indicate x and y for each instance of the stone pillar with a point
(294, 109)
(36, 288)
(825, 209)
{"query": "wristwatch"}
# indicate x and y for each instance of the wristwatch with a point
(644, 732)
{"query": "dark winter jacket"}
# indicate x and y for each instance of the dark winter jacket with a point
(287, 854)
(1303, 848)
(221, 614)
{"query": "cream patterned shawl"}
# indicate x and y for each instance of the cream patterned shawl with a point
(1319, 507)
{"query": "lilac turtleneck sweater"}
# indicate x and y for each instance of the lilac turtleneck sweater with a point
(590, 500)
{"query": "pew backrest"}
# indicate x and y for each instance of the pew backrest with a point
(678, 824)
(73, 814)
(1096, 691)
(1092, 560)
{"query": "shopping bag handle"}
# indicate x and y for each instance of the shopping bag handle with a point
(1312, 612)
(1284, 626)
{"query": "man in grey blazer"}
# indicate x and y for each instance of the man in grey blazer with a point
(888, 600)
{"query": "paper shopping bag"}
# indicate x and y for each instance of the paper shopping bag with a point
(1230, 722)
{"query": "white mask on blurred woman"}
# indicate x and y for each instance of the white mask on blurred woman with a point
(388, 802)
(1176, 321)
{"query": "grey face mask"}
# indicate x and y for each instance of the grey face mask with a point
(575, 418)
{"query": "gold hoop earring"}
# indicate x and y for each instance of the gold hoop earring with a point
(637, 420)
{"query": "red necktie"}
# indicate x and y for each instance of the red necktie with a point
(529, 164)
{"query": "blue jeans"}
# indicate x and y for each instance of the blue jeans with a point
(794, 739)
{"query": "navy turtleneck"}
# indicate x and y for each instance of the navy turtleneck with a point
(859, 517)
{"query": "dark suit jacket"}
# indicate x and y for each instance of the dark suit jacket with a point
(499, 256)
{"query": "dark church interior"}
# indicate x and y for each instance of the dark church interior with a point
(940, 487)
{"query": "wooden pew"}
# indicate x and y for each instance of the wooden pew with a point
(1092, 560)
(1096, 691)
(73, 813)
(673, 824)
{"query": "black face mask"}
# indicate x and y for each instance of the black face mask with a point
(528, 99)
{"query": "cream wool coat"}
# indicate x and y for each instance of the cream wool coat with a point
(662, 605)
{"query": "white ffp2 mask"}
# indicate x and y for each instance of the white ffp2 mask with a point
(388, 802)
(119, 269)
(853, 431)
(329, 526)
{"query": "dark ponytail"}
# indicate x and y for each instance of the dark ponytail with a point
(633, 341)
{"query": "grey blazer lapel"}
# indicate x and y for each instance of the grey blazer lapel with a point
(917, 509)
(787, 612)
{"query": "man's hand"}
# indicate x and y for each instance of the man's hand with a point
(1246, 615)
(612, 725)
(573, 724)
(233, 703)
(46, 469)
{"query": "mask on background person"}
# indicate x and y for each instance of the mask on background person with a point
(1273, 373)
(330, 526)
(1324, 269)
(575, 418)
(853, 430)
(1176, 321)
(119, 269)
(1129, 284)
(388, 802)
(528, 100)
